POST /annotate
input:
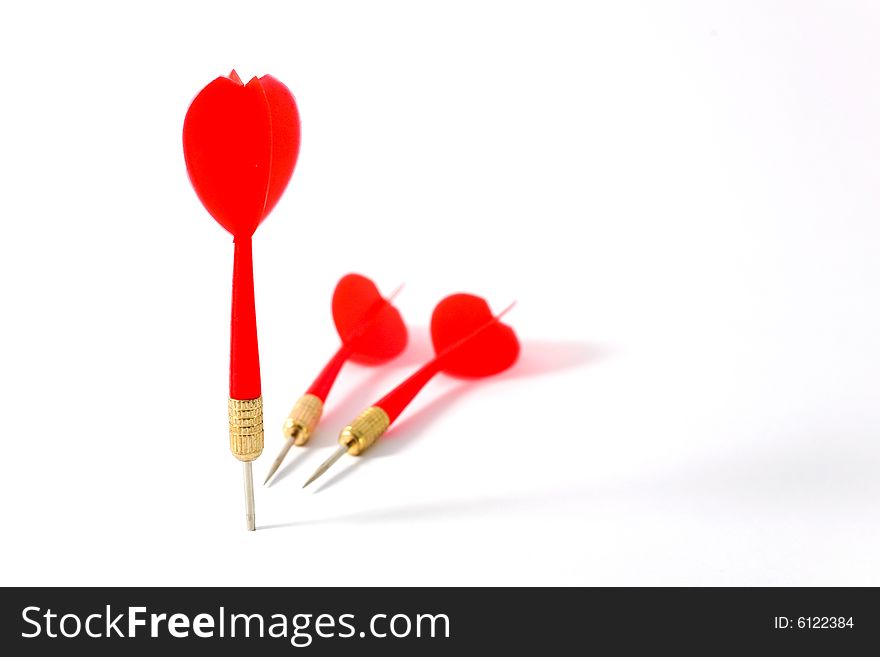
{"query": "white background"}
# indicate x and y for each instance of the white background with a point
(682, 197)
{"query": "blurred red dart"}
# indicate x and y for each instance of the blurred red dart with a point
(240, 142)
(469, 342)
(372, 332)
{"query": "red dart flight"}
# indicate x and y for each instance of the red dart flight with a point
(241, 142)
(469, 342)
(372, 332)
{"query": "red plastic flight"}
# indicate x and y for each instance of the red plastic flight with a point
(469, 342)
(240, 143)
(372, 332)
(371, 329)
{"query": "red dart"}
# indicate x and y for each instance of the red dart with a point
(469, 342)
(240, 142)
(372, 332)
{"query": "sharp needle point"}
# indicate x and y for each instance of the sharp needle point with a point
(326, 464)
(279, 460)
(249, 495)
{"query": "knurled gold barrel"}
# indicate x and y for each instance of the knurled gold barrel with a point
(364, 431)
(303, 419)
(246, 428)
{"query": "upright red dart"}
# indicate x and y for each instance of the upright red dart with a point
(469, 342)
(372, 332)
(240, 142)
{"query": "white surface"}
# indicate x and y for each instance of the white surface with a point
(683, 199)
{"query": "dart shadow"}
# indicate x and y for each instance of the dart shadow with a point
(537, 358)
(480, 506)
(413, 427)
(540, 357)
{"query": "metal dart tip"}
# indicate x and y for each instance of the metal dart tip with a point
(249, 496)
(326, 464)
(279, 459)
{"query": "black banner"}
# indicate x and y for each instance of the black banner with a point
(109, 621)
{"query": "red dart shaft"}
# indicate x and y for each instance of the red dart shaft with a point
(325, 380)
(244, 358)
(398, 399)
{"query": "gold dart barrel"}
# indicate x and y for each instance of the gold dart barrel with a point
(358, 436)
(365, 430)
(246, 443)
(246, 428)
(298, 427)
(303, 419)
